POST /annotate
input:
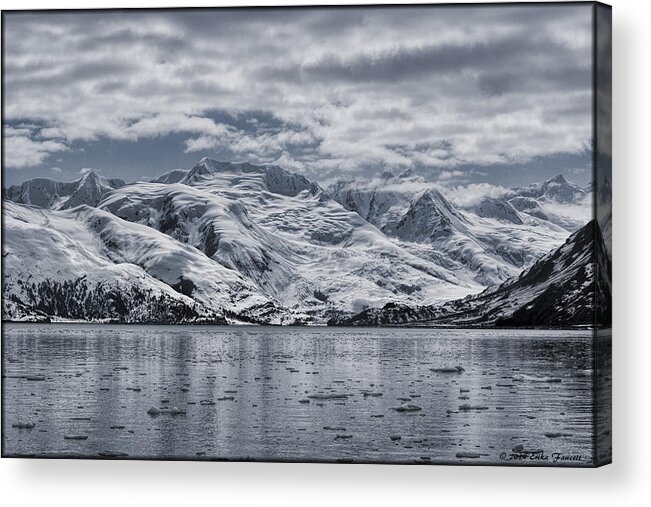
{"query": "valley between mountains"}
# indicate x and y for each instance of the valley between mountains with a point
(231, 243)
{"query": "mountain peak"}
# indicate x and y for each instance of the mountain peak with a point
(430, 217)
(273, 178)
(556, 189)
(204, 167)
(559, 178)
(209, 165)
(211, 162)
(435, 196)
(47, 193)
(91, 177)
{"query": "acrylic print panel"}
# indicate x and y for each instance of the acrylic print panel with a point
(362, 234)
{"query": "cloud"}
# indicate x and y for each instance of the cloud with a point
(261, 145)
(451, 175)
(580, 212)
(162, 124)
(350, 91)
(471, 195)
(22, 151)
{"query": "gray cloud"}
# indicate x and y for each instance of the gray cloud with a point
(348, 89)
(452, 58)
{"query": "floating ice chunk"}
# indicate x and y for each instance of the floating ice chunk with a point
(408, 407)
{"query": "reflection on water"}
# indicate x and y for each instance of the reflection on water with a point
(307, 394)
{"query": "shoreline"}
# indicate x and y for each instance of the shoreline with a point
(309, 326)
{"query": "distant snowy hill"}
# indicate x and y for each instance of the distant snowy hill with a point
(47, 193)
(556, 200)
(563, 288)
(556, 189)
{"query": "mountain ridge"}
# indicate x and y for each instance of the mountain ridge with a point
(487, 243)
(239, 242)
(567, 287)
(246, 242)
(52, 194)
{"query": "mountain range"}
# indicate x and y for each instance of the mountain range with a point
(50, 194)
(241, 243)
(486, 242)
(567, 287)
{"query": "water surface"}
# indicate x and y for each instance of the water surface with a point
(308, 394)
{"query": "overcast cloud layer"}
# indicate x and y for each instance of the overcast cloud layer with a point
(460, 94)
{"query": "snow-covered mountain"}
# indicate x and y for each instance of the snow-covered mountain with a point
(237, 242)
(173, 176)
(490, 207)
(528, 205)
(234, 241)
(286, 236)
(88, 264)
(484, 244)
(569, 286)
(556, 200)
(556, 189)
(47, 193)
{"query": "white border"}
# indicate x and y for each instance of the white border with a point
(625, 482)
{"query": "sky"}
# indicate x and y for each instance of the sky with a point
(460, 95)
